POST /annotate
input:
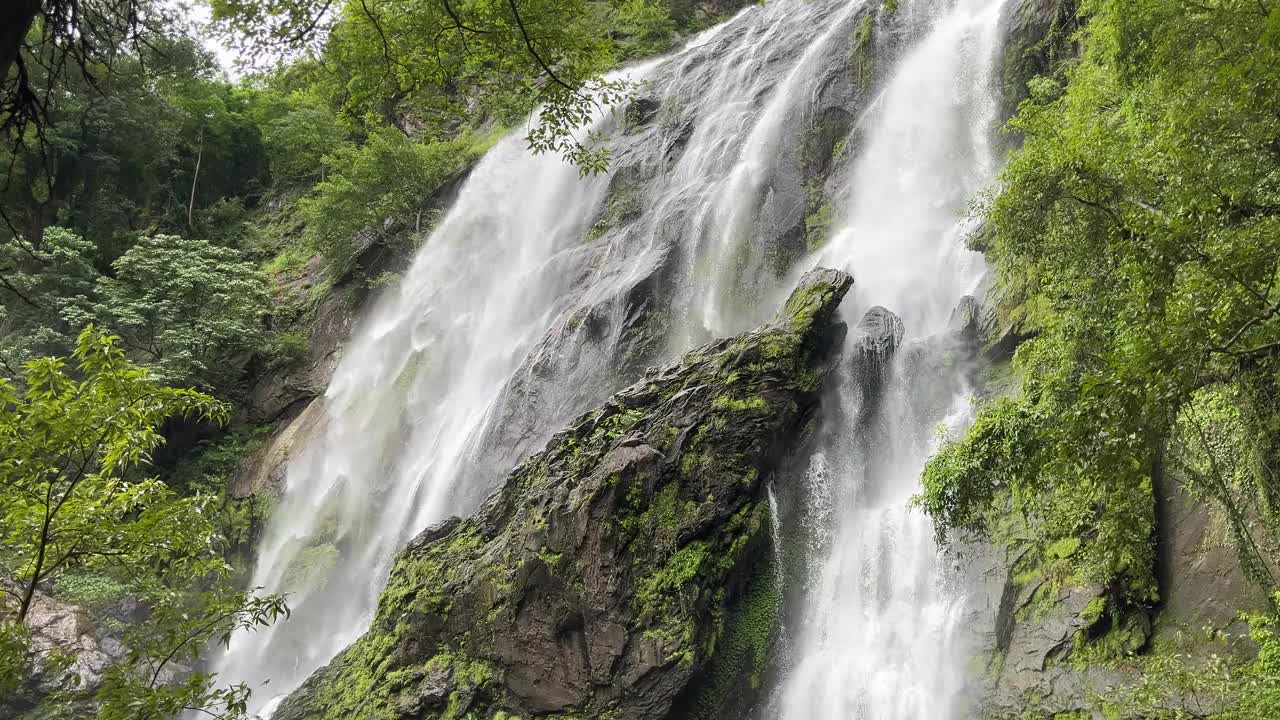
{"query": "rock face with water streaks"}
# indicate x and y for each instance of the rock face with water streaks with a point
(623, 572)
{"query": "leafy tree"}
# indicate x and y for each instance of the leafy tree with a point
(66, 38)
(389, 178)
(164, 140)
(180, 629)
(510, 56)
(66, 446)
(303, 131)
(186, 308)
(1145, 209)
(48, 293)
(70, 497)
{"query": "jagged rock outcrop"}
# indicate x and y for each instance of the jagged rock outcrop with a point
(878, 335)
(967, 322)
(68, 652)
(882, 332)
(1031, 671)
(624, 571)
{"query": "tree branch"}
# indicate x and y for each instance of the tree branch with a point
(528, 43)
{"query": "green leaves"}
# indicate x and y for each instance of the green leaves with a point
(186, 307)
(147, 687)
(387, 181)
(1138, 232)
(72, 498)
(66, 444)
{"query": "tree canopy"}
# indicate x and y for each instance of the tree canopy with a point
(1141, 221)
(72, 443)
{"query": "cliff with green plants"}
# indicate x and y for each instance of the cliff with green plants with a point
(624, 571)
(1129, 475)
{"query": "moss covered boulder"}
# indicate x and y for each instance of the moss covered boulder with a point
(622, 572)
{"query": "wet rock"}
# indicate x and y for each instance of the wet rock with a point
(1032, 632)
(263, 470)
(621, 572)
(62, 627)
(1038, 35)
(283, 393)
(1202, 586)
(642, 110)
(882, 331)
(878, 335)
(60, 630)
(617, 335)
(965, 324)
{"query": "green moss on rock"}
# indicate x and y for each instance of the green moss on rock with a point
(744, 635)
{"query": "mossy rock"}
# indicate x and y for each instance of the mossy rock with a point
(621, 572)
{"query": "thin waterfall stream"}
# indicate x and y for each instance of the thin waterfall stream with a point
(541, 293)
(879, 636)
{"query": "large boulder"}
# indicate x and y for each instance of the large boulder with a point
(622, 572)
(877, 336)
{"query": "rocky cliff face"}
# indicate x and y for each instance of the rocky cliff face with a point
(622, 572)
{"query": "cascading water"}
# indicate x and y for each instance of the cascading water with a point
(540, 293)
(879, 636)
(401, 415)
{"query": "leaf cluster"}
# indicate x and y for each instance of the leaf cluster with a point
(1139, 230)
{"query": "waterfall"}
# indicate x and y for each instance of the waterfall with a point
(879, 634)
(416, 385)
(540, 293)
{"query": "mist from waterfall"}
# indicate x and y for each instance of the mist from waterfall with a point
(523, 308)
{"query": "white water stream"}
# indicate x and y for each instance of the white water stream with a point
(508, 312)
(879, 637)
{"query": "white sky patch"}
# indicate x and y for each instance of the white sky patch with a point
(200, 17)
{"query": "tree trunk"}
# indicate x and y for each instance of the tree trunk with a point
(30, 591)
(194, 177)
(16, 17)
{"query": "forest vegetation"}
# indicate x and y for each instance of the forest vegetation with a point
(154, 211)
(156, 215)
(1136, 238)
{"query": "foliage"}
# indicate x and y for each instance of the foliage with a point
(208, 470)
(48, 297)
(66, 446)
(1145, 203)
(73, 507)
(183, 307)
(509, 55)
(387, 179)
(69, 38)
(158, 147)
(644, 27)
(142, 688)
(91, 589)
(186, 306)
(304, 130)
(1215, 454)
